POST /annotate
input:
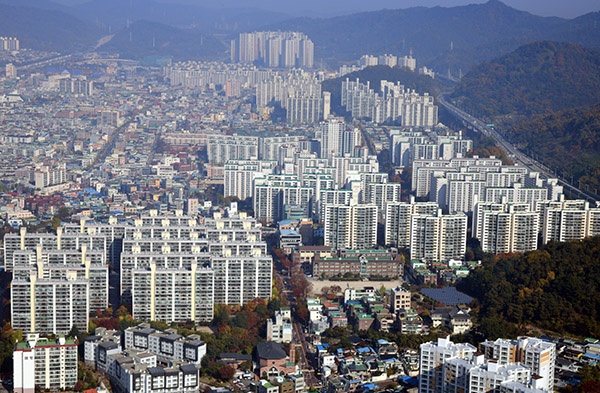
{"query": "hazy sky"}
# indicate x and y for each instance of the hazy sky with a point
(563, 8)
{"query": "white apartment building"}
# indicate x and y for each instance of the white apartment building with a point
(240, 175)
(438, 238)
(101, 335)
(273, 192)
(398, 220)
(45, 364)
(513, 228)
(432, 356)
(49, 241)
(50, 306)
(64, 265)
(173, 295)
(164, 259)
(569, 220)
(167, 346)
(240, 279)
(137, 372)
(222, 148)
(332, 138)
(538, 355)
(350, 227)
(382, 194)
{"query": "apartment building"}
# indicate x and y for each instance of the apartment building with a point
(504, 228)
(167, 346)
(137, 372)
(64, 265)
(50, 306)
(351, 227)
(400, 299)
(44, 364)
(240, 279)
(538, 355)
(173, 294)
(398, 219)
(240, 175)
(569, 220)
(438, 238)
(432, 356)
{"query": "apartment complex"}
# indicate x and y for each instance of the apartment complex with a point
(392, 103)
(274, 49)
(524, 365)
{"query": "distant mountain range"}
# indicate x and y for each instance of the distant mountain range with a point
(443, 38)
(446, 39)
(144, 38)
(46, 29)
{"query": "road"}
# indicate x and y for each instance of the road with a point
(299, 337)
(516, 155)
(42, 63)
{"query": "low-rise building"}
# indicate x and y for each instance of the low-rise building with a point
(279, 328)
(167, 346)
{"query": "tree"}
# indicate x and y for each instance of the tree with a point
(226, 373)
(221, 314)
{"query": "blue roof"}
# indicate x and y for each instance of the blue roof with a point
(410, 380)
(364, 349)
(369, 386)
(589, 355)
(90, 191)
(382, 342)
(448, 296)
(287, 232)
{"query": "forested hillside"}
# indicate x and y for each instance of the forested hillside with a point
(569, 140)
(555, 288)
(535, 79)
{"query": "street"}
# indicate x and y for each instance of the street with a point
(299, 338)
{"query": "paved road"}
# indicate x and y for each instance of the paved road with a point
(298, 337)
(516, 155)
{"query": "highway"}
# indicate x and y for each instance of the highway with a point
(45, 62)
(515, 154)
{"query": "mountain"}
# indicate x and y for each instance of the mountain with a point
(145, 38)
(374, 75)
(535, 79)
(452, 38)
(46, 29)
(568, 140)
(115, 14)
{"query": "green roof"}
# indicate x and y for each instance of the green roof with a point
(23, 346)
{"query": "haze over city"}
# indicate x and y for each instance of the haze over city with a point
(299, 197)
